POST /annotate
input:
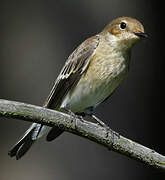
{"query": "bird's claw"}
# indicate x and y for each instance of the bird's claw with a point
(113, 134)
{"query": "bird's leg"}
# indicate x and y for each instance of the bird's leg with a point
(99, 121)
(108, 129)
(74, 115)
(89, 112)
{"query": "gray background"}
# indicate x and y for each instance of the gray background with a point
(36, 37)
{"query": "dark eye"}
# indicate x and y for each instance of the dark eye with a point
(123, 25)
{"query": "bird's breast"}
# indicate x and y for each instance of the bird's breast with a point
(103, 75)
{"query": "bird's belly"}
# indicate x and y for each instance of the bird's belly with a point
(90, 93)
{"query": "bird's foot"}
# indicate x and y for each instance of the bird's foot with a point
(80, 116)
(108, 129)
(75, 116)
(112, 133)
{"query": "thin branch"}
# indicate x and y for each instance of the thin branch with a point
(84, 128)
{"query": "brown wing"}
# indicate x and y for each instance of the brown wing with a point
(71, 73)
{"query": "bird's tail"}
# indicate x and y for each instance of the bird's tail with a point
(30, 136)
(24, 144)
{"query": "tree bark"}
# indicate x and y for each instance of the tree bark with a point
(89, 130)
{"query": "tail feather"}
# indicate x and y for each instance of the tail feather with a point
(23, 145)
(24, 148)
(54, 133)
(33, 133)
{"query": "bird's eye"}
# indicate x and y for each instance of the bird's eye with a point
(123, 25)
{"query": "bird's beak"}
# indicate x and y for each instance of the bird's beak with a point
(141, 34)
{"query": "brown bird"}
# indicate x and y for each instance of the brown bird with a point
(90, 75)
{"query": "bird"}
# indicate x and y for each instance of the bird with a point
(89, 76)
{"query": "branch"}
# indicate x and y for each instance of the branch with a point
(84, 128)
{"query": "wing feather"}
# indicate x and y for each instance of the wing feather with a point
(71, 73)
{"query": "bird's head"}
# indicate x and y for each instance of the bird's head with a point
(125, 30)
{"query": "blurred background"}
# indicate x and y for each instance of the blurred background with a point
(36, 37)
